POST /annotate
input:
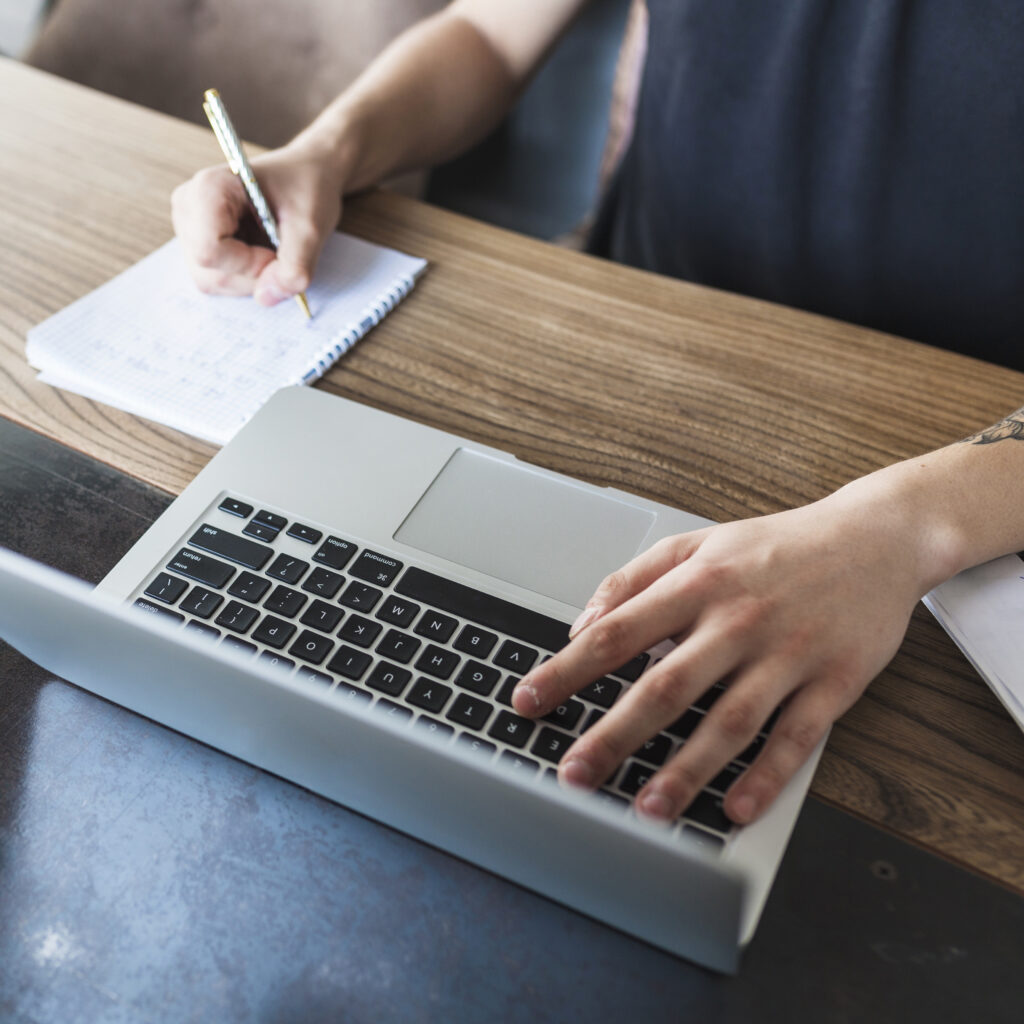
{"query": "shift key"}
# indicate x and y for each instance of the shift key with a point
(249, 553)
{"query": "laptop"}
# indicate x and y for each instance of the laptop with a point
(981, 609)
(345, 598)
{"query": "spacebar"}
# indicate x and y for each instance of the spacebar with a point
(483, 609)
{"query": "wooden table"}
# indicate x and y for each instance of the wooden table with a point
(723, 405)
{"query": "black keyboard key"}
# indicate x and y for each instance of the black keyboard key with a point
(288, 569)
(725, 778)
(436, 661)
(435, 626)
(311, 647)
(237, 617)
(358, 630)
(305, 672)
(483, 609)
(271, 519)
(706, 810)
(323, 582)
(708, 697)
(475, 641)
(202, 628)
(236, 643)
(635, 778)
(477, 745)
(433, 726)
(277, 660)
(511, 729)
(593, 718)
(469, 711)
(398, 611)
(429, 694)
(158, 609)
(396, 712)
(304, 533)
(376, 568)
(505, 693)
(166, 588)
(285, 601)
(201, 602)
(478, 677)
(655, 751)
(518, 763)
(236, 508)
(684, 725)
(398, 646)
(323, 616)
(335, 552)
(360, 596)
(633, 668)
(201, 568)
(755, 748)
(388, 679)
(349, 662)
(551, 744)
(273, 632)
(515, 657)
(249, 587)
(260, 531)
(602, 692)
(565, 715)
(231, 546)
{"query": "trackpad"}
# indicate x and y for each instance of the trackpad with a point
(516, 523)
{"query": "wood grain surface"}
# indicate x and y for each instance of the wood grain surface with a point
(723, 405)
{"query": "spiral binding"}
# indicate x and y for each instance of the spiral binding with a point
(366, 321)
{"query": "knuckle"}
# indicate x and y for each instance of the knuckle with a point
(612, 584)
(206, 254)
(738, 719)
(661, 693)
(801, 734)
(609, 639)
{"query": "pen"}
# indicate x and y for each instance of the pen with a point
(231, 146)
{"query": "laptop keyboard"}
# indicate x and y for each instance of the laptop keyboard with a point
(433, 652)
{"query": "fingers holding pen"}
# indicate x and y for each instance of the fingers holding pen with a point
(207, 212)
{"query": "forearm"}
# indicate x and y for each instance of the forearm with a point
(957, 507)
(436, 90)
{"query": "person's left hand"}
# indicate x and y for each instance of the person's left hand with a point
(800, 609)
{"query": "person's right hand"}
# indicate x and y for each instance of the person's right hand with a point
(211, 213)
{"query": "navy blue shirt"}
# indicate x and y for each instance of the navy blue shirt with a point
(858, 158)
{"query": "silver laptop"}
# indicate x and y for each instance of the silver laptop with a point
(345, 598)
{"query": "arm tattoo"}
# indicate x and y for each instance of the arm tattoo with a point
(1011, 427)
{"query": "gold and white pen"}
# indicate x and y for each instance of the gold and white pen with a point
(231, 146)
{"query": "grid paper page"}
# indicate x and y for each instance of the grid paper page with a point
(149, 342)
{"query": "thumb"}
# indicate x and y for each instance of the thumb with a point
(292, 270)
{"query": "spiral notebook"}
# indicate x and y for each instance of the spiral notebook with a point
(150, 343)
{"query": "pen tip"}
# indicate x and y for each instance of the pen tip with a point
(303, 305)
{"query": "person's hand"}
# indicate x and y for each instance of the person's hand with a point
(800, 610)
(225, 251)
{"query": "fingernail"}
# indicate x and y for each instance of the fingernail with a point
(576, 772)
(525, 699)
(584, 619)
(267, 295)
(744, 809)
(654, 805)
